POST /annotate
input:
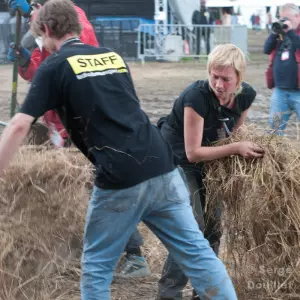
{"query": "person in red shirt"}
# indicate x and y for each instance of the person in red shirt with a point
(29, 63)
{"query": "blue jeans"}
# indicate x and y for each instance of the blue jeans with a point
(283, 103)
(163, 203)
(173, 280)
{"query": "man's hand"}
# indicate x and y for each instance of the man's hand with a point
(21, 54)
(289, 26)
(12, 138)
(21, 5)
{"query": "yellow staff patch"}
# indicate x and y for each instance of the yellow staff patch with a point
(99, 63)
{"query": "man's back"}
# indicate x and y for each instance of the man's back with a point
(96, 100)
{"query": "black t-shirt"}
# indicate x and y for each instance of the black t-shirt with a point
(92, 91)
(218, 120)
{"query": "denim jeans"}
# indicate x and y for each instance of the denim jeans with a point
(283, 103)
(173, 279)
(136, 239)
(163, 203)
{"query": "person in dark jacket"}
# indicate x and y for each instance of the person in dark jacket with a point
(202, 18)
(283, 50)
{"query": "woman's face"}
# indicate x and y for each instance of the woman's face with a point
(224, 81)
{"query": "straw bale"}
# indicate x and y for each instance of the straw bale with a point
(43, 199)
(261, 215)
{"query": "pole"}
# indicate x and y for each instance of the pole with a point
(13, 103)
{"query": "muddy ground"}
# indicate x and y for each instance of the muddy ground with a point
(157, 85)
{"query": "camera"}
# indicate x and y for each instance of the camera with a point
(278, 27)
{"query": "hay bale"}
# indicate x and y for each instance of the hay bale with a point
(261, 215)
(43, 199)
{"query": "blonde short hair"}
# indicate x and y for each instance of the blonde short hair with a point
(228, 55)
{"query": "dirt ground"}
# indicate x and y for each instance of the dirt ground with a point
(157, 85)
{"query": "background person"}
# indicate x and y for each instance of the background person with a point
(284, 51)
(202, 17)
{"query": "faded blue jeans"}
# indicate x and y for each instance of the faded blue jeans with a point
(163, 204)
(283, 103)
(173, 280)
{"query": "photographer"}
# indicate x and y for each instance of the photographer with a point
(283, 46)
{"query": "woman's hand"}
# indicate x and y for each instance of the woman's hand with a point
(249, 150)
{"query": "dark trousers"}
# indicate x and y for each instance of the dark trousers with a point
(202, 33)
(134, 242)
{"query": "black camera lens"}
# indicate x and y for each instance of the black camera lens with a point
(276, 27)
(284, 26)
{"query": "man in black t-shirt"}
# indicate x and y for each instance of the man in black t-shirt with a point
(92, 90)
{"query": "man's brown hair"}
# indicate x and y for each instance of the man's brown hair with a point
(42, 2)
(60, 16)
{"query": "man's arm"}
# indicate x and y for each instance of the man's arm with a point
(295, 39)
(12, 137)
(40, 98)
(270, 43)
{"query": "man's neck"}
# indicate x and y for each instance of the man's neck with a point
(60, 42)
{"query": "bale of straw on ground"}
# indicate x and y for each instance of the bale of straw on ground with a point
(261, 218)
(43, 198)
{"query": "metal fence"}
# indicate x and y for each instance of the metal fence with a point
(174, 42)
(119, 34)
(133, 39)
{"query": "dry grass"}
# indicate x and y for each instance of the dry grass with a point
(42, 210)
(262, 216)
(43, 201)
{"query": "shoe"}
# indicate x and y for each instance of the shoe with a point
(133, 266)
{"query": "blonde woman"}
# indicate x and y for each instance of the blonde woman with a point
(205, 112)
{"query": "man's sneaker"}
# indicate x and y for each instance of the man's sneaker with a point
(133, 266)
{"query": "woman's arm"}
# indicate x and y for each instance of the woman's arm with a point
(193, 134)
